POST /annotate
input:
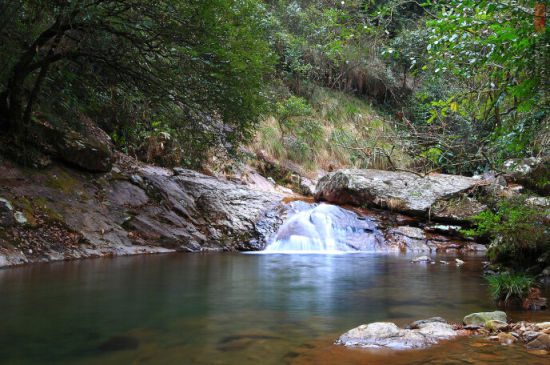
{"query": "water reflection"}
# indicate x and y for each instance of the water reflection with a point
(221, 308)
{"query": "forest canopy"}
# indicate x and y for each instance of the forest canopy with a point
(193, 69)
(465, 84)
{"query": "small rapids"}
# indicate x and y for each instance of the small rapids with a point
(324, 228)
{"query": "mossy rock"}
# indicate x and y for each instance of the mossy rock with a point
(481, 318)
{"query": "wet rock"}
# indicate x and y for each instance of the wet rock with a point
(417, 324)
(529, 336)
(397, 191)
(542, 342)
(422, 259)
(506, 338)
(388, 335)
(495, 325)
(482, 317)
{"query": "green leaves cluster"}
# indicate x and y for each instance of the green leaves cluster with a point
(501, 66)
(517, 231)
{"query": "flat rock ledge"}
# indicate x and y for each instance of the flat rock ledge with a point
(436, 196)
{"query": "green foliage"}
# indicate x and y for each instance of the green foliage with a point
(293, 108)
(507, 286)
(196, 66)
(517, 231)
(499, 66)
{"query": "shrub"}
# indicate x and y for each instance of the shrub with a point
(518, 233)
(508, 286)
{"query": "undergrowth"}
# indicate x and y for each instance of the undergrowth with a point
(329, 130)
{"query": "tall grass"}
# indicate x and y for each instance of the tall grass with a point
(343, 131)
(507, 286)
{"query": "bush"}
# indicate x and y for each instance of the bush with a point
(518, 233)
(508, 286)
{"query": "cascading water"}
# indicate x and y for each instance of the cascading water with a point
(323, 228)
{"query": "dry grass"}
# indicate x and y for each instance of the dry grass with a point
(352, 135)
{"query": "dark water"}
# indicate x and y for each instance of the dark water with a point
(236, 309)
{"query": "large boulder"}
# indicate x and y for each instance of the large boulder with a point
(398, 191)
(479, 319)
(388, 335)
(90, 150)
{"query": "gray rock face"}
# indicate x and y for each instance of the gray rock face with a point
(388, 335)
(135, 209)
(397, 191)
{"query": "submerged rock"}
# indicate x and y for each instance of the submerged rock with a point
(421, 259)
(482, 317)
(388, 335)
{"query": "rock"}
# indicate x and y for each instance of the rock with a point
(532, 172)
(411, 232)
(495, 325)
(542, 342)
(397, 191)
(91, 151)
(388, 335)
(143, 209)
(506, 338)
(421, 259)
(543, 325)
(307, 186)
(6, 213)
(417, 324)
(482, 317)
(529, 336)
(20, 217)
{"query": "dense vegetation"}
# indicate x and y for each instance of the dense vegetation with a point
(187, 71)
(455, 86)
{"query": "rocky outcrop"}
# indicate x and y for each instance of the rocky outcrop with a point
(436, 196)
(387, 335)
(135, 208)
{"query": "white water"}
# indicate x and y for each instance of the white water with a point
(320, 228)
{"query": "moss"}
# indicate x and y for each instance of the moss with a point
(62, 181)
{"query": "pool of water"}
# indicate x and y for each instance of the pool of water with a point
(237, 309)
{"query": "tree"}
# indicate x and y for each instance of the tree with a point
(501, 64)
(186, 63)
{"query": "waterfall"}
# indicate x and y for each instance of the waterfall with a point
(323, 228)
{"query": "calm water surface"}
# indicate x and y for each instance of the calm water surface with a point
(237, 309)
